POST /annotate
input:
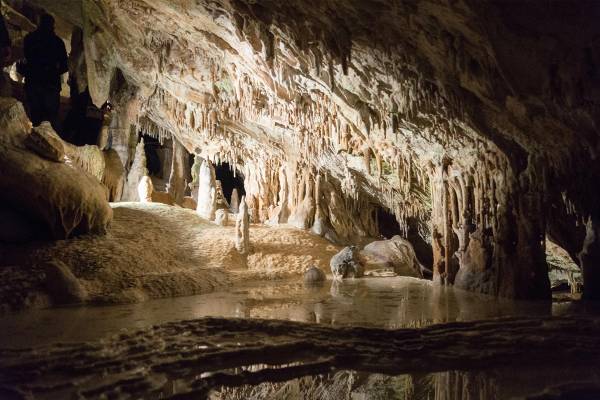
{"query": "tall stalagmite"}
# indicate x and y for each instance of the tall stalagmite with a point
(242, 228)
(179, 167)
(207, 191)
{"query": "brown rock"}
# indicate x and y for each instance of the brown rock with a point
(45, 142)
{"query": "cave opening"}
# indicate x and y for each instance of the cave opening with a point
(157, 155)
(229, 180)
(387, 223)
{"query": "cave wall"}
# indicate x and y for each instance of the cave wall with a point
(459, 114)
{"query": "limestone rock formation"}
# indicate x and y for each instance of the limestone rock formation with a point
(114, 175)
(562, 270)
(346, 264)
(136, 172)
(61, 284)
(242, 228)
(395, 253)
(222, 217)
(145, 189)
(61, 200)
(207, 191)
(220, 197)
(179, 166)
(189, 202)
(235, 201)
(46, 143)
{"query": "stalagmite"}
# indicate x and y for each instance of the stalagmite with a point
(136, 172)
(195, 172)
(207, 191)
(242, 228)
(145, 189)
(222, 217)
(179, 166)
(234, 201)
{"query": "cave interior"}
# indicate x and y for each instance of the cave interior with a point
(300, 199)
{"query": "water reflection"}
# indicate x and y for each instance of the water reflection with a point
(375, 302)
(493, 384)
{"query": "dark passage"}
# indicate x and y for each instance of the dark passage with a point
(224, 173)
(388, 225)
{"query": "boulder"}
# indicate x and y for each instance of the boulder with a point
(62, 286)
(66, 200)
(61, 199)
(346, 264)
(314, 275)
(46, 143)
(396, 254)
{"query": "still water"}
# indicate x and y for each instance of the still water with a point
(391, 302)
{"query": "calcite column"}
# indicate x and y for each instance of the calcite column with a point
(242, 228)
(207, 191)
(179, 165)
(488, 228)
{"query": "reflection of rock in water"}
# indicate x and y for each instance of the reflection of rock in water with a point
(340, 385)
(210, 353)
(461, 385)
